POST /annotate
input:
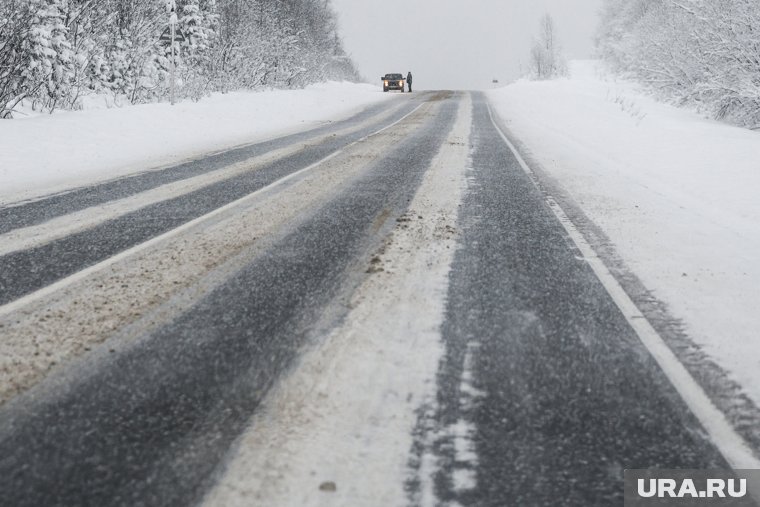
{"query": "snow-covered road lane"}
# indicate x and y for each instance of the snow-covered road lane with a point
(545, 390)
(353, 400)
(151, 412)
(35, 257)
(41, 208)
(49, 326)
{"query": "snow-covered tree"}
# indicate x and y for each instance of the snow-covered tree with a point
(705, 53)
(546, 59)
(197, 21)
(36, 60)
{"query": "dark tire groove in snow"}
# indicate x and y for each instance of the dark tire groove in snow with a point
(26, 271)
(151, 426)
(41, 210)
(568, 396)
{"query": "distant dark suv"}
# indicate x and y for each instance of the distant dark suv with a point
(393, 82)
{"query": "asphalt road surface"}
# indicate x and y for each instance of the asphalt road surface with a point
(543, 393)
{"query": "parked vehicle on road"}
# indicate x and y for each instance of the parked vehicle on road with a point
(393, 82)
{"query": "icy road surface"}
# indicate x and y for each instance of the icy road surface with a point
(382, 311)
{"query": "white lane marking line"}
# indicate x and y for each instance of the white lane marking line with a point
(733, 447)
(79, 275)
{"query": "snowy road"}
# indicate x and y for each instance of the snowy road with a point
(382, 311)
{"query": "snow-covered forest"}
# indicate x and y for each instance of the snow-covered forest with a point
(703, 53)
(55, 52)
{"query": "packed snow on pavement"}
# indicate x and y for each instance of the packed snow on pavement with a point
(676, 193)
(48, 153)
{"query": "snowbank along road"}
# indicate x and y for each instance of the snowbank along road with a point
(382, 311)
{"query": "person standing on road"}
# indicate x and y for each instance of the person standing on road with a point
(409, 80)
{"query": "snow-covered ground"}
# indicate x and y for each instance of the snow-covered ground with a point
(678, 195)
(46, 153)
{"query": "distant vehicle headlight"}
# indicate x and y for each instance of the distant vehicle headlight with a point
(386, 83)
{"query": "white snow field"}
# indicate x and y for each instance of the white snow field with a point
(677, 194)
(48, 153)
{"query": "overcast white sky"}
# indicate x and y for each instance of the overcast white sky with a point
(457, 44)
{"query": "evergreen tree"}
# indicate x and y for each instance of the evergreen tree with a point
(36, 60)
